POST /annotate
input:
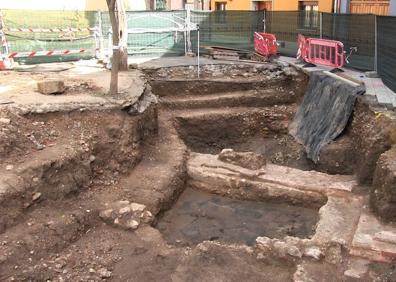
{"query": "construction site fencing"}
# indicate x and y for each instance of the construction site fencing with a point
(354, 31)
(151, 33)
(28, 41)
(387, 50)
(233, 29)
(158, 36)
(370, 39)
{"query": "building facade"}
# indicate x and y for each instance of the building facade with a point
(378, 7)
(272, 5)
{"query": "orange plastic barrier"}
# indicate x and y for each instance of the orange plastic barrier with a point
(265, 44)
(321, 51)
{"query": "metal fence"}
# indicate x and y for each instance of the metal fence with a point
(353, 30)
(232, 29)
(157, 33)
(151, 33)
(387, 50)
(43, 41)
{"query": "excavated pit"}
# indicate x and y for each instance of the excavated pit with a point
(247, 109)
(199, 216)
(246, 134)
(250, 109)
(122, 183)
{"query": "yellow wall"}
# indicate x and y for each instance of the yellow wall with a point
(326, 6)
(234, 4)
(285, 5)
(95, 5)
(279, 5)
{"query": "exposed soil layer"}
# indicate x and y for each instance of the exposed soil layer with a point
(198, 216)
(60, 171)
(265, 134)
(279, 149)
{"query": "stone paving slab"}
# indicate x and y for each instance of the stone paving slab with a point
(338, 219)
(201, 166)
(374, 240)
(374, 86)
(86, 88)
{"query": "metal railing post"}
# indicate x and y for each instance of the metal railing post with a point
(376, 45)
(321, 24)
(188, 19)
(265, 21)
(198, 54)
(3, 44)
(100, 34)
(110, 43)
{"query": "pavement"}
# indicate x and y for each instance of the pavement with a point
(375, 89)
(379, 95)
(167, 62)
(87, 87)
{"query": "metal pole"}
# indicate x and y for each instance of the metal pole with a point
(100, 33)
(198, 54)
(321, 24)
(3, 41)
(376, 46)
(392, 8)
(110, 43)
(4, 45)
(189, 30)
(185, 43)
(264, 21)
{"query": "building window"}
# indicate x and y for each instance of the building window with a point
(160, 5)
(262, 5)
(221, 6)
(309, 15)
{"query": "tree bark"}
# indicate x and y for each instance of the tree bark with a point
(115, 60)
(123, 35)
(119, 61)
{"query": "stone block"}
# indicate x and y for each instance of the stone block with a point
(383, 193)
(51, 87)
(247, 160)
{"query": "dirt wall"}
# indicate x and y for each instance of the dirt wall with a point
(68, 152)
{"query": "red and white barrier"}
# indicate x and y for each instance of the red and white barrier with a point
(47, 53)
(321, 51)
(49, 30)
(6, 57)
(265, 44)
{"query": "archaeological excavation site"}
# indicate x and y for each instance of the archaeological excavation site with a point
(249, 172)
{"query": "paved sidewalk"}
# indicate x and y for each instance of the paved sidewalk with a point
(375, 88)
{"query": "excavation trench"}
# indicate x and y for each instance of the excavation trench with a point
(212, 161)
(230, 204)
(198, 216)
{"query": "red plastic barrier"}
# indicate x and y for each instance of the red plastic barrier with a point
(265, 44)
(302, 49)
(321, 51)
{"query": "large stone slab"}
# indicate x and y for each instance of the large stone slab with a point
(338, 220)
(383, 194)
(374, 240)
(51, 86)
(209, 173)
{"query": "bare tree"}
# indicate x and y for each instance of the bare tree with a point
(119, 60)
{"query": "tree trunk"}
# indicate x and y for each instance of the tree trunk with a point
(116, 54)
(120, 52)
(123, 35)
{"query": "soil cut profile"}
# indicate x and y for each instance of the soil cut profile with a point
(190, 179)
(198, 216)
